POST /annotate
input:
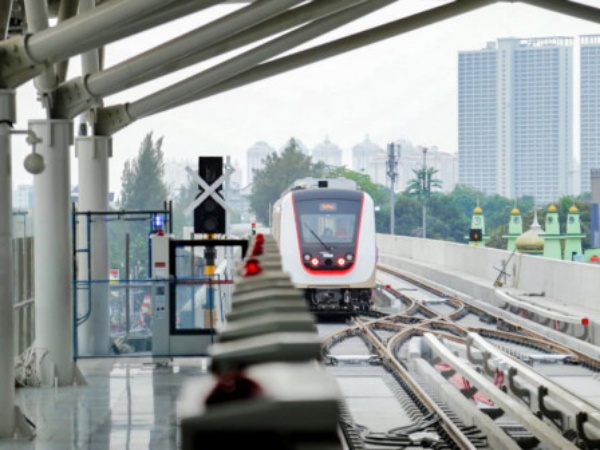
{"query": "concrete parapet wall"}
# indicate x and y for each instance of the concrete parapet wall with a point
(473, 270)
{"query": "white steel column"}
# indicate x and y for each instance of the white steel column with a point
(53, 253)
(7, 361)
(93, 154)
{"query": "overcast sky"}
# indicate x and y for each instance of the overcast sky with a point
(401, 88)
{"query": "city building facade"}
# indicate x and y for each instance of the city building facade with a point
(255, 159)
(328, 153)
(516, 118)
(590, 108)
(370, 159)
(414, 159)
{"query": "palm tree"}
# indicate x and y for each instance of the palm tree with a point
(421, 187)
(423, 183)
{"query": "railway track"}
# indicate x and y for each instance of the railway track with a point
(453, 374)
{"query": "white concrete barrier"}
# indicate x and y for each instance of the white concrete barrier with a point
(473, 270)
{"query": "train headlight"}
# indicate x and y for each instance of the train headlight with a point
(349, 257)
(306, 257)
(314, 262)
(341, 262)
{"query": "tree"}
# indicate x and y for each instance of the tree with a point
(142, 184)
(378, 193)
(446, 220)
(407, 220)
(142, 188)
(280, 172)
(424, 183)
(186, 193)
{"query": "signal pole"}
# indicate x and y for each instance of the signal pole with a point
(392, 173)
(426, 188)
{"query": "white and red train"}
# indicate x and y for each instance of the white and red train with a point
(325, 229)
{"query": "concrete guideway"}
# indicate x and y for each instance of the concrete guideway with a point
(569, 288)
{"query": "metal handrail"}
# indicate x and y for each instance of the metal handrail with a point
(22, 304)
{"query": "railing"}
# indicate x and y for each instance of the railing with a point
(23, 294)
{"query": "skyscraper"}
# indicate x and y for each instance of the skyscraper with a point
(515, 118)
(370, 159)
(590, 108)
(477, 118)
(327, 152)
(255, 157)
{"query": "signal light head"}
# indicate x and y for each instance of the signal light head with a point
(252, 267)
(233, 387)
(257, 250)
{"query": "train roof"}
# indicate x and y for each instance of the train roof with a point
(322, 183)
(331, 193)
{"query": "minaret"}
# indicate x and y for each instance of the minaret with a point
(573, 236)
(515, 229)
(477, 236)
(552, 236)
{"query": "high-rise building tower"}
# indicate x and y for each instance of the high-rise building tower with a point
(590, 108)
(595, 208)
(477, 118)
(515, 118)
(370, 159)
(327, 152)
(255, 157)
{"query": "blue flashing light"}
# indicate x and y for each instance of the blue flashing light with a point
(158, 222)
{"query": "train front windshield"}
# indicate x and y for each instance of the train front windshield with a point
(330, 221)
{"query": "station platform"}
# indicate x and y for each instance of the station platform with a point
(128, 403)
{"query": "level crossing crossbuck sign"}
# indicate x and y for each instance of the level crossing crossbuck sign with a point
(209, 207)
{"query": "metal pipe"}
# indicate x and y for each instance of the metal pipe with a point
(267, 28)
(127, 289)
(88, 30)
(66, 10)
(425, 192)
(570, 8)
(119, 76)
(7, 374)
(5, 12)
(174, 95)
(340, 46)
(37, 20)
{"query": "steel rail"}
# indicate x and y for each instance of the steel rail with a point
(542, 431)
(567, 401)
(450, 427)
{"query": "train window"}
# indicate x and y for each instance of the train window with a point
(335, 223)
